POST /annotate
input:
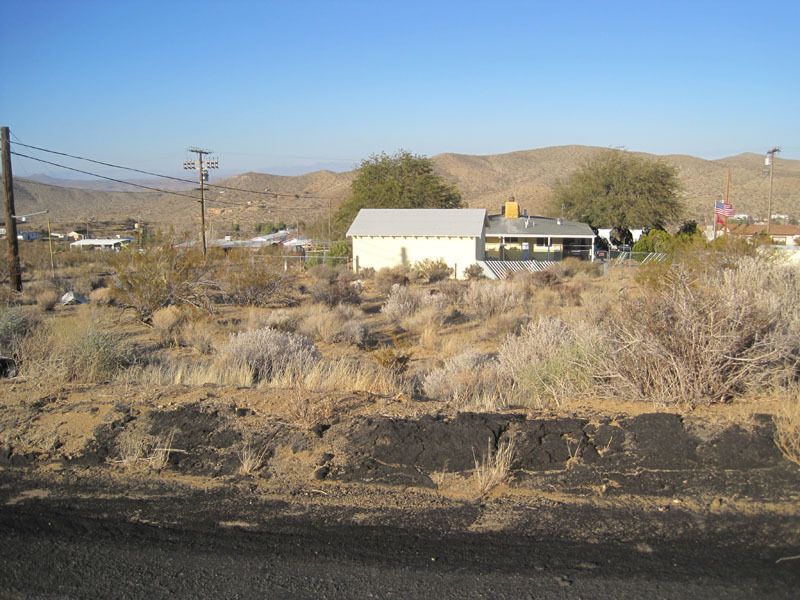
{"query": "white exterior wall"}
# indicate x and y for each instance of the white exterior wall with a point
(382, 252)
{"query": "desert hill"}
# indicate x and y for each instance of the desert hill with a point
(484, 181)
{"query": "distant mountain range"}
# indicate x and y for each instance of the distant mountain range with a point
(484, 181)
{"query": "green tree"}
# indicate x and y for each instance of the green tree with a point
(621, 190)
(403, 180)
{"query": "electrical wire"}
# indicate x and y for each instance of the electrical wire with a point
(153, 174)
(139, 185)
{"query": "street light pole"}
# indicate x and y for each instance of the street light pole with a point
(769, 160)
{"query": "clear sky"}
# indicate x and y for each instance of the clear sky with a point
(282, 85)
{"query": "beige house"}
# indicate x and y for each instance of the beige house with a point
(462, 237)
(388, 237)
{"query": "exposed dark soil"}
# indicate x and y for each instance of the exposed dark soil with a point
(639, 499)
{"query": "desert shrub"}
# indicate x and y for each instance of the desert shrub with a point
(348, 374)
(705, 341)
(404, 302)
(395, 357)
(100, 296)
(463, 378)
(485, 298)
(388, 277)
(656, 240)
(280, 319)
(74, 349)
(571, 266)
(547, 278)
(432, 270)
(160, 276)
(255, 284)
(269, 353)
(198, 333)
(787, 425)
(547, 363)
(474, 271)
(368, 273)
(166, 322)
(334, 286)
(16, 324)
(341, 324)
(47, 299)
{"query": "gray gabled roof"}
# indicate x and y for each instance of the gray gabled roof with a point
(536, 227)
(409, 222)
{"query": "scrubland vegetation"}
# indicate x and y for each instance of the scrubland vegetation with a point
(712, 326)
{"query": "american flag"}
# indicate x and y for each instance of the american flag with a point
(723, 209)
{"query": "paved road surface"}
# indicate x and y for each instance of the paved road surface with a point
(53, 552)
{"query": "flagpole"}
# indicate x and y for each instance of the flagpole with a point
(714, 216)
(727, 198)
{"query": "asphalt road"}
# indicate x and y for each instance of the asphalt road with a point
(53, 552)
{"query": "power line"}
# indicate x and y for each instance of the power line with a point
(147, 187)
(153, 174)
(139, 185)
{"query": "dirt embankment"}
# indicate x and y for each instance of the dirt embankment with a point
(647, 455)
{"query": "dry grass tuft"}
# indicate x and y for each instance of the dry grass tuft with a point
(138, 448)
(74, 349)
(270, 353)
(251, 460)
(494, 467)
(47, 299)
(787, 423)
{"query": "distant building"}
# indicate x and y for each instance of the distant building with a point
(101, 243)
(782, 235)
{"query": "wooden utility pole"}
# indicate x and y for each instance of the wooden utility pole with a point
(14, 271)
(203, 172)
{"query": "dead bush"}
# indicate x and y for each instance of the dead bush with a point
(390, 276)
(342, 324)
(701, 342)
(485, 298)
(167, 322)
(432, 270)
(16, 324)
(474, 271)
(100, 296)
(160, 276)
(200, 334)
(463, 379)
(787, 425)
(74, 349)
(280, 319)
(254, 283)
(334, 286)
(404, 302)
(269, 353)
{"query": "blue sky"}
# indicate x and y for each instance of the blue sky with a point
(290, 85)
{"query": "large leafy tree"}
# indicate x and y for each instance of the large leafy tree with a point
(402, 180)
(621, 190)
